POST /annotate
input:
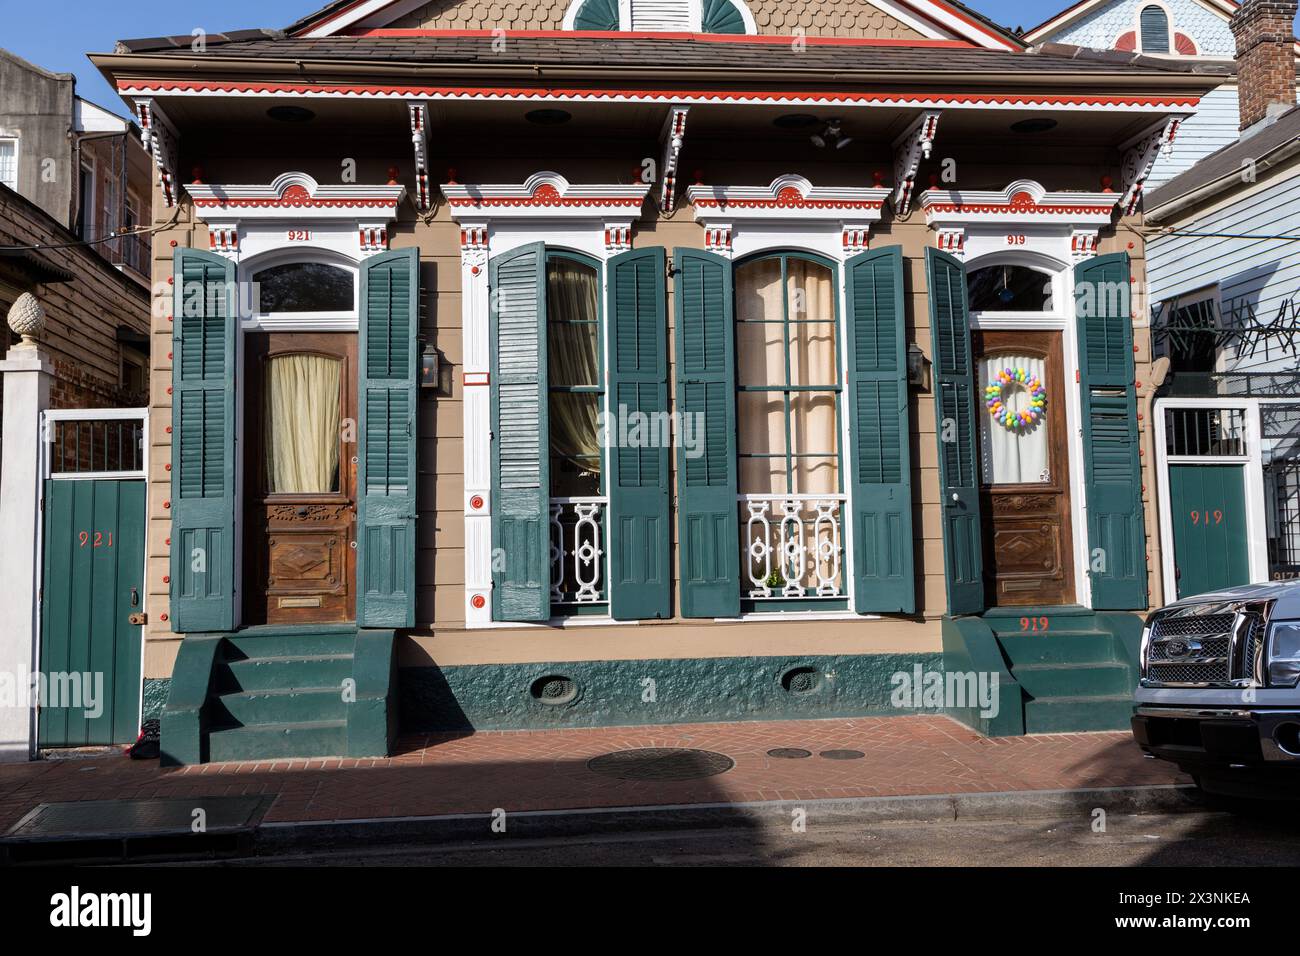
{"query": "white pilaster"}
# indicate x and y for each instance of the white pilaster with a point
(26, 372)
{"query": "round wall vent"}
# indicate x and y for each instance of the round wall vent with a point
(554, 689)
(801, 680)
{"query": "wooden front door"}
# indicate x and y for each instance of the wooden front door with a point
(1024, 474)
(300, 477)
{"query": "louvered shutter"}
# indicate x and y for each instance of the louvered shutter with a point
(639, 535)
(707, 525)
(1112, 468)
(1155, 30)
(597, 15)
(386, 472)
(671, 16)
(880, 458)
(954, 410)
(521, 542)
(203, 443)
(721, 16)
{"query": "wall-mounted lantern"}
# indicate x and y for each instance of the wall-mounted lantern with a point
(918, 368)
(435, 374)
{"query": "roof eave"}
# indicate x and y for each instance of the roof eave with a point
(1160, 212)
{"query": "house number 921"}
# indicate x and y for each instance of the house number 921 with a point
(101, 539)
(299, 235)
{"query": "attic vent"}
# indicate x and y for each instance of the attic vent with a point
(1155, 30)
(670, 16)
(660, 16)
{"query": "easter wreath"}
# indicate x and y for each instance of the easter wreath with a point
(996, 391)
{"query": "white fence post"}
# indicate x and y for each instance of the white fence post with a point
(26, 371)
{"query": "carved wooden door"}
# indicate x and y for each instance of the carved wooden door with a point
(300, 477)
(1024, 469)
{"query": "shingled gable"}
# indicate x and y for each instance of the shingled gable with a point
(1059, 21)
(882, 19)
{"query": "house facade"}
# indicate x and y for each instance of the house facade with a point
(1191, 30)
(512, 378)
(1224, 277)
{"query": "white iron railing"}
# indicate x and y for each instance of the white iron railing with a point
(577, 550)
(791, 545)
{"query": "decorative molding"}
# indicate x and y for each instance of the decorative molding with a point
(473, 244)
(1084, 244)
(618, 236)
(788, 197)
(981, 101)
(951, 240)
(856, 238)
(1140, 155)
(419, 113)
(674, 136)
(545, 195)
(223, 238)
(717, 238)
(374, 236)
(1024, 202)
(909, 150)
(162, 141)
(297, 196)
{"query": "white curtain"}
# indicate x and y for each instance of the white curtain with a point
(1012, 456)
(761, 360)
(302, 424)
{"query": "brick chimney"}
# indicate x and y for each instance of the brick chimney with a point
(1265, 35)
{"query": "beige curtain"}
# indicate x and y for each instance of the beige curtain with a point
(302, 424)
(761, 360)
(573, 359)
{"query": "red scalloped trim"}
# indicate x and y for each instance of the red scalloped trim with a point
(1126, 42)
(296, 203)
(788, 202)
(1017, 205)
(547, 196)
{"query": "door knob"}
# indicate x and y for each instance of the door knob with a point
(135, 597)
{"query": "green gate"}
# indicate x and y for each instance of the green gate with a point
(1208, 507)
(93, 554)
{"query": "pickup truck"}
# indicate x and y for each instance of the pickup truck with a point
(1218, 693)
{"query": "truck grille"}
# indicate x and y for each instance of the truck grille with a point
(1204, 645)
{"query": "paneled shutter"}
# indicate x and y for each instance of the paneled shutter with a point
(880, 457)
(386, 473)
(955, 424)
(521, 482)
(707, 525)
(1116, 533)
(639, 535)
(203, 443)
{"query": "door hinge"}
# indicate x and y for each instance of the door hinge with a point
(139, 617)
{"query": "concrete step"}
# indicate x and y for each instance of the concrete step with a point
(279, 706)
(1049, 715)
(277, 642)
(288, 672)
(321, 738)
(1101, 679)
(1071, 647)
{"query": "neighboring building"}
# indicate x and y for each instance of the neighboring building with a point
(499, 250)
(1194, 30)
(1224, 271)
(73, 176)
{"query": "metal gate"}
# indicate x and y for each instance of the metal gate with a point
(92, 569)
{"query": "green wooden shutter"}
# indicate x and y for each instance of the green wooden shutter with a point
(880, 463)
(954, 412)
(1116, 534)
(597, 15)
(707, 524)
(521, 481)
(203, 443)
(386, 472)
(721, 16)
(639, 536)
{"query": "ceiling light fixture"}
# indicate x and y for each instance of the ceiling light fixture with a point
(831, 136)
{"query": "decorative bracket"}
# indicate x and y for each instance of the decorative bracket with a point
(419, 112)
(374, 236)
(674, 135)
(223, 238)
(1083, 244)
(1140, 155)
(952, 241)
(909, 149)
(618, 236)
(856, 237)
(162, 141)
(717, 238)
(473, 244)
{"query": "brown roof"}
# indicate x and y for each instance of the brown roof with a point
(641, 51)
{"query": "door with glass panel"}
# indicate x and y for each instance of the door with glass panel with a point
(299, 477)
(1024, 468)
(788, 387)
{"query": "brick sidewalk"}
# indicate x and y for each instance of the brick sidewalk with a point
(546, 770)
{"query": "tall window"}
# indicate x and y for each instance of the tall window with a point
(9, 163)
(574, 377)
(1155, 30)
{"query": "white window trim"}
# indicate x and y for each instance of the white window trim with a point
(87, 204)
(595, 220)
(345, 321)
(17, 141)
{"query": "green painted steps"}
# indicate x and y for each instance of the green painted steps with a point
(1058, 715)
(274, 692)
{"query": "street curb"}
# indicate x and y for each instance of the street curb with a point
(270, 838)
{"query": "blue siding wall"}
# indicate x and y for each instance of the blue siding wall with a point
(1258, 274)
(1213, 127)
(1100, 28)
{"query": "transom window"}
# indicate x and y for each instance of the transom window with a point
(314, 287)
(1009, 288)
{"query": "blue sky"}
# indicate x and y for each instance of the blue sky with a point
(56, 34)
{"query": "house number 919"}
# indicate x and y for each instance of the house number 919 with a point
(1015, 240)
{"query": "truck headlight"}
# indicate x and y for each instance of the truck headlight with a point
(1284, 654)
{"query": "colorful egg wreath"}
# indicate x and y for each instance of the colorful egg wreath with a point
(996, 391)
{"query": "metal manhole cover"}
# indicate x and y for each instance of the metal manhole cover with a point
(842, 754)
(661, 763)
(789, 753)
(128, 818)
